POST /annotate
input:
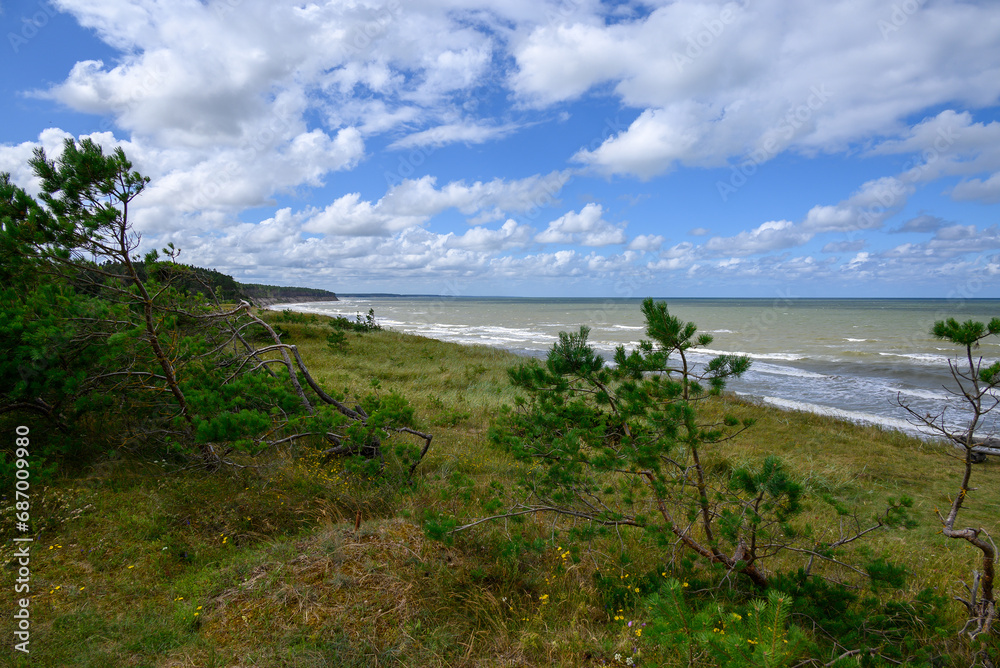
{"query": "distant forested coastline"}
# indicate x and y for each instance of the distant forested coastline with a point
(226, 288)
(266, 295)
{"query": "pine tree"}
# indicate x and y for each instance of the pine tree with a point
(976, 386)
(625, 446)
(96, 332)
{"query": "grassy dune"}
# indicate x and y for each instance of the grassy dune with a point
(292, 562)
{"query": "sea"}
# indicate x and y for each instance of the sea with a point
(854, 359)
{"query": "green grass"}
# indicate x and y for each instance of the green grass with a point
(150, 563)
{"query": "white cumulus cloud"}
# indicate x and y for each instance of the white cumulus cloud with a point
(587, 228)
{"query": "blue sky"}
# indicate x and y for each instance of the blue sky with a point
(754, 148)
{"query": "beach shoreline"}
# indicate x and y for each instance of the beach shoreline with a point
(854, 373)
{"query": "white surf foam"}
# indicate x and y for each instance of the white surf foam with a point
(921, 394)
(859, 417)
(777, 357)
(776, 370)
(920, 358)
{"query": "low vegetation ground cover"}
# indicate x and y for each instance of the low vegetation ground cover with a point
(288, 559)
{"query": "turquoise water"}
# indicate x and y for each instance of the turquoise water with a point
(853, 358)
